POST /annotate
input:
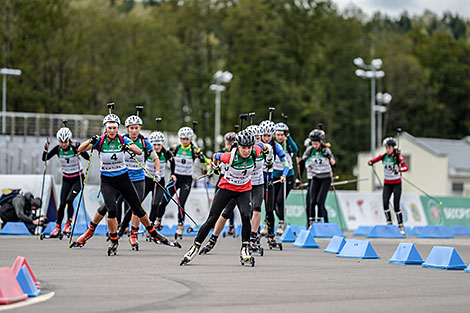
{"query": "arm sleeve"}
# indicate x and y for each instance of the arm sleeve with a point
(307, 153)
(126, 140)
(19, 203)
(50, 154)
(293, 146)
(328, 151)
(148, 145)
(169, 157)
(223, 157)
(258, 148)
(282, 157)
(377, 159)
(85, 155)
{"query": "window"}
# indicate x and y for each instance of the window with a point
(457, 187)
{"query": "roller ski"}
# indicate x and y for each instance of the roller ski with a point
(209, 246)
(160, 239)
(81, 241)
(133, 240)
(55, 234)
(67, 228)
(273, 244)
(179, 231)
(245, 255)
(280, 228)
(255, 245)
(191, 254)
(113, 247)
(402, 229)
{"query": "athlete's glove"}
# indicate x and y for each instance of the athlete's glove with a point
(157, 177)
(215, 169)
(269, 165)
(370, 163)
(93, 140)
(77, 144)
(297, 183)
(265, 151)
(46, 147)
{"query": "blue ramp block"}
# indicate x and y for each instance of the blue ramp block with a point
(15, 228)
(363, 230)
(360, 249)
(410, 231)
(444, 258)
(295, 229)
(459, 230)
(288, 235)
(101, 230)
(49, 228)
(468, 269)
(336, 245)
(325, 230)
(385, 231)
(406, 254)
(306, 240)
(435, 231)
(26, 282)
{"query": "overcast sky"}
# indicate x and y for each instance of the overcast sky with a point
(395, 7)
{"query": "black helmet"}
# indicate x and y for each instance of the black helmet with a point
(317, 135)
(390, 141)
(36, 202)
(245, 138)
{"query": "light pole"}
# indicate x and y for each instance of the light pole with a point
(371, 72)
(219, 77)
(382, 99)
(5, 72)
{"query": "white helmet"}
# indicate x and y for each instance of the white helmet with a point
(281, 127)
(111, 118)
(157, 137)
(64, 134)
(133, 120)
(267, 127)
(255, 129)
(186, 132)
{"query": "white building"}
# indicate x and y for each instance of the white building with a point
(438, 166)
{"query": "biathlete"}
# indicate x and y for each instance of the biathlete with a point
(236, 184)
(72, 176)
(184, 155)
(394, 164)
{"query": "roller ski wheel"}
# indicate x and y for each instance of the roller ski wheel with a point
(208, 247)
(273, 244)
(112, 249)
(258, 251)
(223, 234)
(250, 261)
(135, 247)
(42, 236)
(76, 245)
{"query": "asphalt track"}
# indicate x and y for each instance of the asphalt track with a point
(293, 280)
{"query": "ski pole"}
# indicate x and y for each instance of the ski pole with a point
(300, 178)
(337, 203)
(163, 188)
(252, 117)
(242, 118)
(80, 199)
(425, 193)
(43, 181)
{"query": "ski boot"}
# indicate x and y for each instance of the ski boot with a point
(160, 239)
(133, 239)
(191, 254)
(402, 229)
(55, 234)
(245, 255)
(255, 244)
(273, 244)
(83, 238)
(113, 247)
(264, 230)
(209, 246)
(280, 228)
(179, 231)
(67, 228)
